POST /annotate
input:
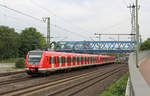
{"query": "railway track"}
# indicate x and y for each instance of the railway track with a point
(99, 78)
(15, 80)
(10, 73)
(34, 88)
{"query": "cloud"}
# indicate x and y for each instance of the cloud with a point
(91, 16)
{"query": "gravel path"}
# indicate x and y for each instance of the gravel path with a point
(6, 67)
(145, 69)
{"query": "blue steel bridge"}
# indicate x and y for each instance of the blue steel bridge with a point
(96, 46)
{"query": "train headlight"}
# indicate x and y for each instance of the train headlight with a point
(40, 66)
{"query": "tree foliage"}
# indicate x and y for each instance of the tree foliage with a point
(13, 44)
(9, 42)
(145, 45)
(31, 40)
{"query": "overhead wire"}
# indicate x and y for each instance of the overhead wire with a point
(35, 18)
(66, 30)
(53, 14)
(22, 13)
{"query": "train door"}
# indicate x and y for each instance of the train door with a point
(69, 60)
(74, 60)
(81, 60)
(99, 59)
(85, 60)
(46, 62)
(94, 60)
(56, 61)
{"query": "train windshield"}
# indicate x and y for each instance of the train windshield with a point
(34, 58)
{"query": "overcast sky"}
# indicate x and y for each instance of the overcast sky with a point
(81, 18)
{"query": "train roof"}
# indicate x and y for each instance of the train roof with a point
(53, 53)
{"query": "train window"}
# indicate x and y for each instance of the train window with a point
(75, 59)
(103, 59)
(82, 59)
(50, 60)
(57, 59)
(68, 59)
(62, 60)
(87, 59)
(78, 59)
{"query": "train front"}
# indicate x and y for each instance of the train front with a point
(34, 62)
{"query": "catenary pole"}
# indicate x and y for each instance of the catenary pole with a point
(47, 19)
(137, 35)
(48, 30)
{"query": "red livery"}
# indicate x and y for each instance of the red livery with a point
(44, 62)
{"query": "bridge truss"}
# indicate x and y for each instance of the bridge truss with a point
(95, 46)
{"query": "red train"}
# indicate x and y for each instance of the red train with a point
(44, 62)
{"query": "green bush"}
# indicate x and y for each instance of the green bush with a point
(118, 88)
(20, 63)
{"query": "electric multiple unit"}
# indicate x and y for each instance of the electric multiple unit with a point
(44, 62)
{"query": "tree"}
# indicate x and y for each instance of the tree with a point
(9, 42)
(31, 40)
(145, 45)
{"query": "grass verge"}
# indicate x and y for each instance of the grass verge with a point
(10, 60)
(118, 88)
